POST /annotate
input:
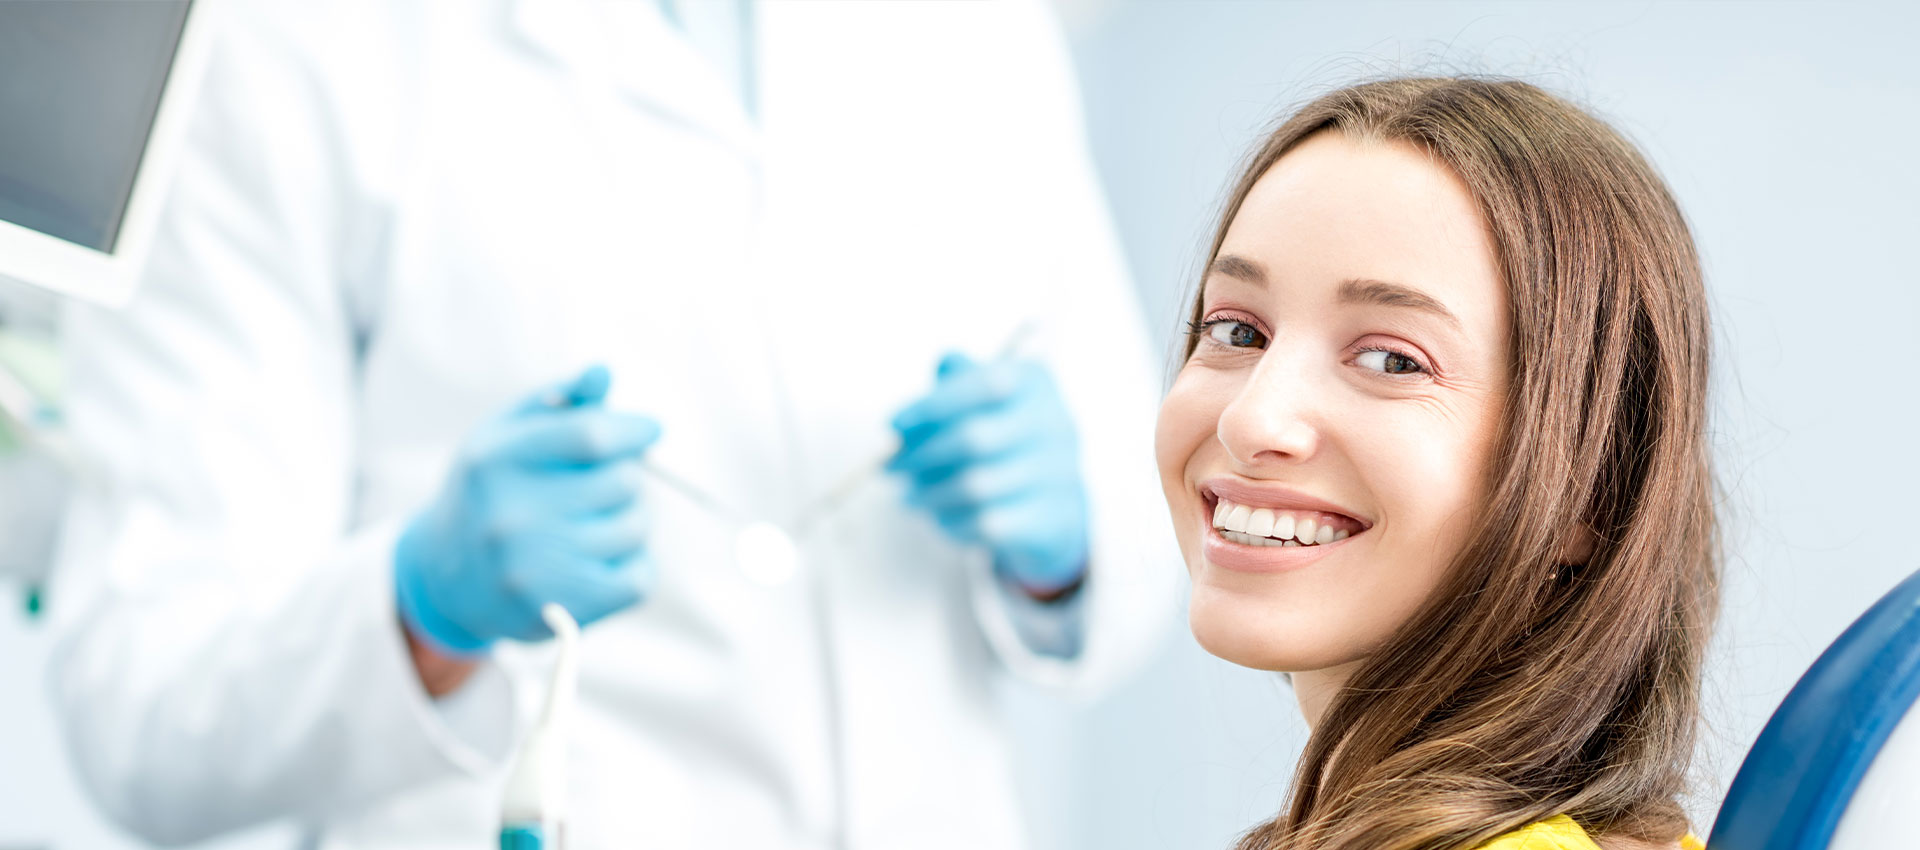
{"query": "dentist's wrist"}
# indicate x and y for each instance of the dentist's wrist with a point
(439, 673)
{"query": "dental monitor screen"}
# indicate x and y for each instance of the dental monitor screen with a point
(80, 84)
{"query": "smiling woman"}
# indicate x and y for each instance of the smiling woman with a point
(1437, 450)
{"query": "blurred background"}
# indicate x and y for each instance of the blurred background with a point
(1785, 129)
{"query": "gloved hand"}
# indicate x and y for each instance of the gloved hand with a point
(992, 454)
(542, 505)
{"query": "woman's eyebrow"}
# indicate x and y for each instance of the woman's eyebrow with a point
(1359, 290)
(1385, 294)
(1238, 267)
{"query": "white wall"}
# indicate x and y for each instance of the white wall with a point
(1787, 131)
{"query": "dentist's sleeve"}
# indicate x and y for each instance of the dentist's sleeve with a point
(1093, 337)
(227, 650)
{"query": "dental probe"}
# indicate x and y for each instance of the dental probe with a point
(673, 481)
(533, 811)
(860, 475)
(687, 489)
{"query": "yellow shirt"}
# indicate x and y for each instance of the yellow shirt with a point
(1560, 833)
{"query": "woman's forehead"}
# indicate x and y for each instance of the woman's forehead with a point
(1334, 209)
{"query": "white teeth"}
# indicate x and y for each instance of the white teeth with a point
(1248, 539)
(1282, 526)
(1272, 527)
(1237, 518)
(1260, 523)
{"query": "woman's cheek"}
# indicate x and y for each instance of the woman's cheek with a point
(1431, 474)
(1167, 454)
(1188, 419)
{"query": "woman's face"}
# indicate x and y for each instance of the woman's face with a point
(1327, 447)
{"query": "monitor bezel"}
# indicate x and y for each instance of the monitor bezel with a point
(108, 277)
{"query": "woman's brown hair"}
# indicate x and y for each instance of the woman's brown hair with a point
(1529, 686)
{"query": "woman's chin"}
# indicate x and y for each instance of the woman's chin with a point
(1250, 633)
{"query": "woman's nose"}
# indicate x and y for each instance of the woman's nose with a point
(1274, 419)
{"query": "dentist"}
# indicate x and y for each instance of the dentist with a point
(329, 486)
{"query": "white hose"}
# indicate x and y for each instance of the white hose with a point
(536, 791)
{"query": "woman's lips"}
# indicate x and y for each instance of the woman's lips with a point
(1242, 557)
(1267, 494)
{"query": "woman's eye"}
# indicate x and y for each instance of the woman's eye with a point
(1389, 362)
(1236, 334)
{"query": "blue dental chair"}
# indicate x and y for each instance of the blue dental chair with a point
(1838, 766)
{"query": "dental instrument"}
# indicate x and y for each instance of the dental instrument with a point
(672, 480)
(533, 811)
(766, 551)
(860, 475)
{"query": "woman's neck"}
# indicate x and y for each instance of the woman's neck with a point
(1315, 689)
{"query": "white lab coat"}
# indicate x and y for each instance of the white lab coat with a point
(398, 218)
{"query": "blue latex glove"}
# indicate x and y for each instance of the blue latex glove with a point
(542, 505)
(992, 454)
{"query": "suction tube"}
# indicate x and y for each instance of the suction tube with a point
(533, 813)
